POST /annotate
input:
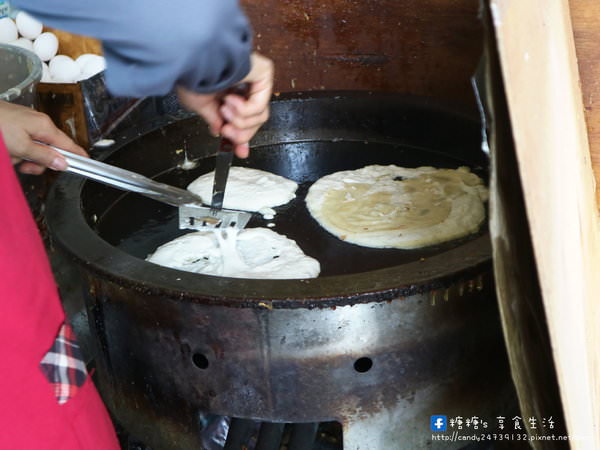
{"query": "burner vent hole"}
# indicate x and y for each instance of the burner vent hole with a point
(200, 361)
(363, 365)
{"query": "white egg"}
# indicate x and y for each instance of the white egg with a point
(8, 30)
(46, 46)
(46, 77)
(28, 26)
(82, 59)
(92, 65)
(23, 43)
(63, 69)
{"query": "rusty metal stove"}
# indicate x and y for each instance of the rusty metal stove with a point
(380, 342)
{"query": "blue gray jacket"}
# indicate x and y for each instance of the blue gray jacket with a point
(151, 46)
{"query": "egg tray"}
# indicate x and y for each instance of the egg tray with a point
(86, 111)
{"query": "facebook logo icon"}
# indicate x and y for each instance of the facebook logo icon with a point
(439, 423)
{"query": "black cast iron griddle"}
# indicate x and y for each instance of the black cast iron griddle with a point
(308, 136)
(138, 226)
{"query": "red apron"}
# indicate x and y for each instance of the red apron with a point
(30, 317)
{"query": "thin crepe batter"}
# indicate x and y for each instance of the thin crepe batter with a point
(397, 207)
(249, 253)
(249, 190)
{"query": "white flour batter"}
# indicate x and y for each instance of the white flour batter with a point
(249, 253)
(249, 190)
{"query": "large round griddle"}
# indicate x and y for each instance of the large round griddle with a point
(173, 343)
(308, 136)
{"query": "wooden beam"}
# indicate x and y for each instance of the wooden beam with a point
(537, 53)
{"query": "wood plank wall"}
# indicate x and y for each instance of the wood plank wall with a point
(424, 47)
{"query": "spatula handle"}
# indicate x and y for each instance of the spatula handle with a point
(242, 90)
(124, 179)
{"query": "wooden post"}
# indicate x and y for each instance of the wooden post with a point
(537, 53)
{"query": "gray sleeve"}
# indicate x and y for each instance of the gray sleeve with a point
(151, 46)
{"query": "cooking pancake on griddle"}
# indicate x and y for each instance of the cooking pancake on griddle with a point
(251, 253)
(249, 190)
(397, 207)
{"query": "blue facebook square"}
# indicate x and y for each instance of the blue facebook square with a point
(439, 423)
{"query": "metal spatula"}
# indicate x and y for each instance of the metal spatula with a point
(192, 215)
(225, 156)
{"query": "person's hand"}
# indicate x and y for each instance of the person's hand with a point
(20, 126)
(232, 116)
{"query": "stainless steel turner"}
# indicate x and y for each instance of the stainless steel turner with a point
(224, 156)
(192, 215)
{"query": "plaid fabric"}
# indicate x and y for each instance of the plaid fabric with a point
(63, 365)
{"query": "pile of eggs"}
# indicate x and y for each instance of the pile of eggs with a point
(26, 32)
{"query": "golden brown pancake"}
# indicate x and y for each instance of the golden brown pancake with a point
(397, 207)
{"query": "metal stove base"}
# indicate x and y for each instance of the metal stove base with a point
(251, 435)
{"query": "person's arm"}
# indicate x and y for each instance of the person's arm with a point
(20, 125)
(151, 47)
